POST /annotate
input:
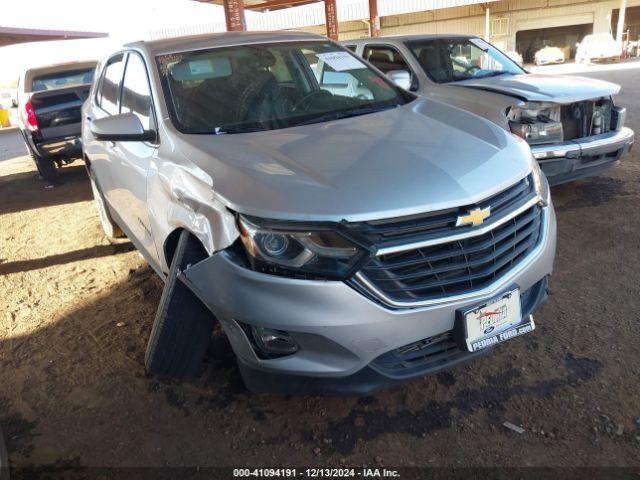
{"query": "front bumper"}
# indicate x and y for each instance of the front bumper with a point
(340, 332)
(567, 161)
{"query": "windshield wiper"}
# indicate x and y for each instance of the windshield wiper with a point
(340, 114)
(493, 74)
(235, 129)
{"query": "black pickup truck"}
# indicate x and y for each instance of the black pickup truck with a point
(49, 101)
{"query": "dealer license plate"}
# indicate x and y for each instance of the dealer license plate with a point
(495, 322)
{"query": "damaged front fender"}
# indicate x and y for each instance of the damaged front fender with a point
(181, 196)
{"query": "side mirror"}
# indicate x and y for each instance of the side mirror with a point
(125, 127)
(401, 78)
(14, 103)
(577, 44)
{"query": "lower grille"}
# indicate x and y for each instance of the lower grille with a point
(455, 267)
(440, 351)
(425, 355)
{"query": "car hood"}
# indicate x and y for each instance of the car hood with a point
(544, 88)
(420, 157)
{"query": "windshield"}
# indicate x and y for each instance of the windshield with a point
(70, 78)
(454, 59)
(269, 86)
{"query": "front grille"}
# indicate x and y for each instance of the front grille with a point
(390, 232)
(455, 267)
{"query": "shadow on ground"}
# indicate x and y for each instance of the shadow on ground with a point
(73, 187)
(63, 258)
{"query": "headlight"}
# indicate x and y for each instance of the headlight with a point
(536, 122)
(294, 250)
(540, 183)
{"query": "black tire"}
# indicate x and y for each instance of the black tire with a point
(111, 229)
(47, 167)
(183, 325)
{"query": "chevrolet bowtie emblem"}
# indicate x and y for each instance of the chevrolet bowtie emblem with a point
(475, 217)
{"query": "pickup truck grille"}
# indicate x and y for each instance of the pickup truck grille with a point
(460, 266)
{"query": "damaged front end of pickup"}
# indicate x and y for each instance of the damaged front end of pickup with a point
(572, 140)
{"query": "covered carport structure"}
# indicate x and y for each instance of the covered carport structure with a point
(235, 18)
(367, 11)
(10, 35)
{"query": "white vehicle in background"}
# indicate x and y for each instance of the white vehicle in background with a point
(515, 56)
(598, 47)
(548, 55)
(8, 98)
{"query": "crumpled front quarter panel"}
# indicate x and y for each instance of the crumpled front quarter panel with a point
(180, 196)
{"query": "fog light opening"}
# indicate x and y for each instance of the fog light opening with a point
(270, 343)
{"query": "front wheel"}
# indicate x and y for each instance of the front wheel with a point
(183, 325)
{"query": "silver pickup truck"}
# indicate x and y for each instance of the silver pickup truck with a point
(571, 123)
(49, 101)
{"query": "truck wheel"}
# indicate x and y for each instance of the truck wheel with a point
(183, 325)
(111, 228)
(46, 167)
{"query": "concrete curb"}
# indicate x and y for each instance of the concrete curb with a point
(4, 459)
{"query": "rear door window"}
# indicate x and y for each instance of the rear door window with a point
(136, 93)
(385, 58)
(108, 96)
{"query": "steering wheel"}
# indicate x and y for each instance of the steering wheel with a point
(472, 69)
(467, 69)
(303, 104)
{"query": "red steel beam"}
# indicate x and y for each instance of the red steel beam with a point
(374, 19)
(278, 4)
(331, 19)
(234, 15)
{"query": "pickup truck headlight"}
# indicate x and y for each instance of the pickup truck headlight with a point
(540, 183)
(294, 250)
(536, 122)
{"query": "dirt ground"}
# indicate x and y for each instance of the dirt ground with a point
(76, 312)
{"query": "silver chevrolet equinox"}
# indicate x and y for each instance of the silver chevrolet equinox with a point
(345, 234)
